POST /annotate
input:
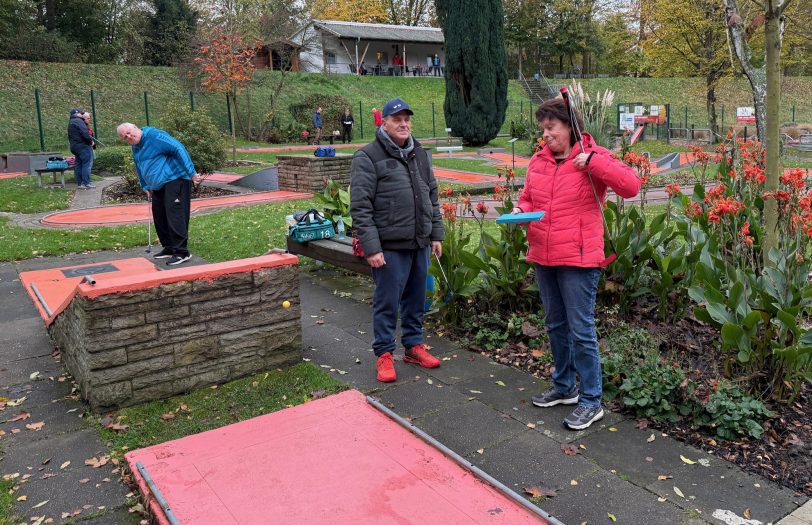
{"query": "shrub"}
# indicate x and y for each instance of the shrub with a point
(333, 107)
(198, 133)
(731, 413)
(130, 175)
(111, 161)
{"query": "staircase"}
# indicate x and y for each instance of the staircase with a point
(538, 90)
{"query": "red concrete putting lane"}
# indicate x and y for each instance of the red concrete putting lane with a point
(227, 178)
(56, 290)
(135, 213)
(12, 175)
(507, 159)
(463, 177)
(336, 461)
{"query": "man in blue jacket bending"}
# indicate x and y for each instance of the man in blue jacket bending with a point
(165, 172)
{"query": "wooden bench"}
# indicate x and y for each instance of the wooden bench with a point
(337, 252)
(53, 171)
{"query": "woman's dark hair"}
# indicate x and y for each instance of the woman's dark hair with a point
(556, 108)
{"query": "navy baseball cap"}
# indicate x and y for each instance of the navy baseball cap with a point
(396, 105)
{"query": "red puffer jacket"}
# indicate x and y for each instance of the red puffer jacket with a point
(571, 232)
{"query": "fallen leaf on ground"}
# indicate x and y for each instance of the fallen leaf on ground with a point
(64, 465)
(573, 482)
(84, 480)
(746, 513)
(649, 459)
(169, 416)
(33, 376)
(612, 429)
(36, 427)
(97, 462)
(582, 446)
(19, 417)
(73, 514)
(663, 478)
(475, 391)
(678, 492)
(661, 500)
(642, 424)
(40, 504)
(318, 394)
(538, 491)
(705, 462)
(480, 451)
(611, 516)
(569, 449)
(22, 498)
(531, 425)
(650, 438)
(500, 383)
(16, 402)
(686, 460)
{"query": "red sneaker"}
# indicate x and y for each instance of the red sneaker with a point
(386, 369)
(420, 356)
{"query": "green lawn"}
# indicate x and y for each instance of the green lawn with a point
(211, 408)
(6, 500)
(23, 195)
(221, 236)
(476, 165)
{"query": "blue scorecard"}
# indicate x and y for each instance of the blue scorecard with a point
(520, 218)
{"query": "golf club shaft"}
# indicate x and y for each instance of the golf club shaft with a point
(445, 278)
(149, 224)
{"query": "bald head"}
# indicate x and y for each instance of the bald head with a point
(129, 133)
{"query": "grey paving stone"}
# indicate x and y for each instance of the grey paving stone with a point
(724, 486)
(417, 398)
(461, 365)
(600, 493)
(112, 517)
(62, 487)
(529, 459)
(23, 338)
(15, 304)
(468, 427)
(513, 398)
(18, 372)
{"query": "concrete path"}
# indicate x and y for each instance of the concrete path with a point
(476, 407)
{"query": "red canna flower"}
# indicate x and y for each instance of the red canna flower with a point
(672, 189)
(448, 191)
(481, 208)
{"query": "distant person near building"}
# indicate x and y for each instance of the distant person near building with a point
(377, 118)
(81, 143)
(318, 124)
(435, 62)
(346, 126)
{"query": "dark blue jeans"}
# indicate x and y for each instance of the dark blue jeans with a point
(568, 294)
(81, 169)
(400, 284)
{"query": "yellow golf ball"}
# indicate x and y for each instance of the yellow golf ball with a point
(286, 304)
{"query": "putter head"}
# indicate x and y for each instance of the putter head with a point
(149, 249)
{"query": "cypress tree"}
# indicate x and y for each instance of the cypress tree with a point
(476, 80)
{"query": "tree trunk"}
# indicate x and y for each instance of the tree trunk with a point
(710, 102)
(757, 76)
(233, 128)
(772, 34)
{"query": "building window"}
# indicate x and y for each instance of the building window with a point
(331, 57)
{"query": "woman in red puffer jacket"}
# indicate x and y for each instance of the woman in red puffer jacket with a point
(567, 249)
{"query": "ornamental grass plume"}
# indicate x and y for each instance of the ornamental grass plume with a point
(595, 113)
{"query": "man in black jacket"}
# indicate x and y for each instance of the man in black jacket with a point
(396, 211)
(81, 145)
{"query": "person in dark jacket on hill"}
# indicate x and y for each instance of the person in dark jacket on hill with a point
(81, 145)
(346, 123)
(165, 172)
(318, 124)
(395, 209)
(567, 249)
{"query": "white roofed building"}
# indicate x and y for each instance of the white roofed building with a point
(382, 49)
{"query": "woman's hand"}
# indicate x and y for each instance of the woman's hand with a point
(581, 161)
(516, 210)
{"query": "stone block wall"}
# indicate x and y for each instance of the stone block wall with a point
(310, 174)
(158, 341)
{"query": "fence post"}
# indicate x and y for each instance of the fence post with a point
(192, 100)
(228, 114)
(433, 128)
(793, 113)
(686, 117)
(361, 116)
(521, 106)
(668, 123)
(39, 121)
(146, 106)
(93, 110)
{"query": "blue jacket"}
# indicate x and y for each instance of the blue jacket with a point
(160, 158)
(317, 122)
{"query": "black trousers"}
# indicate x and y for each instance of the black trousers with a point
(171, 207)
(347, 135)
